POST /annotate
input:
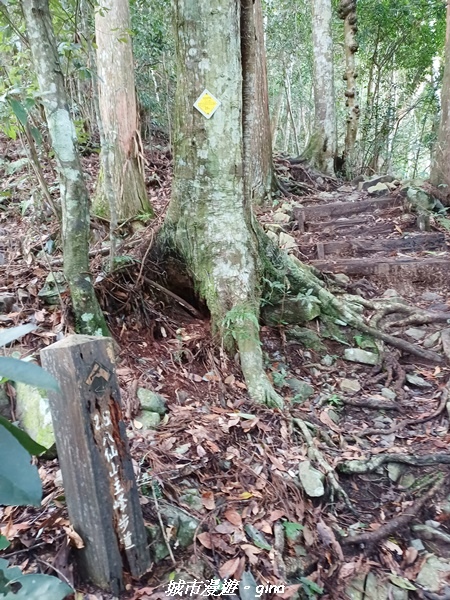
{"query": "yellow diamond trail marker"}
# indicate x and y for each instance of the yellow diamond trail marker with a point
(207, 104)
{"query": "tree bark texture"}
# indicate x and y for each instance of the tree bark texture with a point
(322, 146)
(209, 221)
(121, 147)
(440, 170)
(256, 119)
(74, 194)
(347, 12)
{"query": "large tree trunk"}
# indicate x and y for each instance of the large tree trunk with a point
(121, 146)
(440, 170)
(347, 12)
(257, 132)
(209, 221)
(321, 149)
(74, 194)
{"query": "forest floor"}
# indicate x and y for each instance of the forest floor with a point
(233, 468)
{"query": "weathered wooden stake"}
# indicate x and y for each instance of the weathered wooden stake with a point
(99, 483)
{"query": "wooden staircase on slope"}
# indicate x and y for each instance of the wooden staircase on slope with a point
(375, 238)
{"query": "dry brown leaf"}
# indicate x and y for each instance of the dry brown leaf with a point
(208, 500)
(265, 527)
(326, 420)
(212, 446)
(276, 463)
(228, 569)
(74, 537)
(201, 451)
(205, 540)
(410, 555)
(251, 553)
(349, 569)
(225, 527)
(233, 517)
(276, 514)
(241, 385)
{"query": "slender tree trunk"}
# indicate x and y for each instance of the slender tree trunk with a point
(287, 89)
(256, 118)
(440, 168)
(74, 194)
(276, 119)
(122, 151)
(209, 221)
(321, 149)
(347, 12)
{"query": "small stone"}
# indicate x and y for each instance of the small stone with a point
(407, 480)
(273, 227)
(350, 386)
(192, 498)
(334, 416)
(149, 420)
(6, 303)
(417, 381)
(361, 356)
(272, 236)
(431, 340)
(286, 241)
(326, 196)
(327, 360)
(395, 471)
(345, 188)
(311, 480)
(417, 544)
(415, 334)
(433, 524)
(307, 337)
(287, 208)
(342, 278)
(388, 394)
(380, 189)
(355, 197)
(431, 296)
(151, 401)
(433, 574)
(376, 180)
(390, 293)
(58, 481)
(281, 217)
(302, 390)
(445, 337)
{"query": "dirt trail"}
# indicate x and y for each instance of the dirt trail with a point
(230, 471)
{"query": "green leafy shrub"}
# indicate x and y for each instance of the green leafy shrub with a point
(20, 484)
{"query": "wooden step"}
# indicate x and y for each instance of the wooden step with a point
(392, 270)
(303, 214)
(361, 246)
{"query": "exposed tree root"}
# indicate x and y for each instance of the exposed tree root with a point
(357, 467)
(405, 422)
(303, 280)
(317, 456)
(417, 316)
(394, 376)
(373, 537)
(371, 403)
(245, 330)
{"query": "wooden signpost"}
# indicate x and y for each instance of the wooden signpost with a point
(99, 482)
